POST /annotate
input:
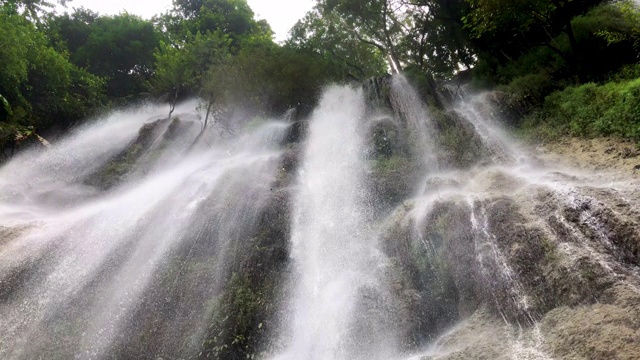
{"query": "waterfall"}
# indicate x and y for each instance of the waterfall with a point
(331, 246)
(505, 225)
(84, 262)
(410, 110)
(378, 227)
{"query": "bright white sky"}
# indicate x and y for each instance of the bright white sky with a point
(281, 14)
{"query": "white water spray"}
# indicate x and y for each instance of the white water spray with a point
(83, 260)
(332, 249)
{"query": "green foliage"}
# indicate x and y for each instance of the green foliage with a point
(329, 37)
(438, 41)
(531, 88)
(17, 37)
(555, 53)
(30, 9)
(593, 110)
(39, 86)
(269, 79)
(185, 68)
(236, 319)
(427, 34)
(627, 72)
(232, 18)
(117, 48)
(492, 17)
(377, 23)
(625, 24)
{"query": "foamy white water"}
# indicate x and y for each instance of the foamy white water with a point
(88, 257)
(332, 248)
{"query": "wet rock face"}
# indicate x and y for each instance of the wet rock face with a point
(526, 255)
(526, 249)
(113, 171)
(248, 309)
(484, 263)
(385, 136)
(376, 91)
(459, 144)
(481, 337)
(509, 106)
(297, 132)
(155, 134)
(623, 233)
(608, 330)
(432, 272)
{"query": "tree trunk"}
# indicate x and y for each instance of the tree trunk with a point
(396, 67)
(172, 103)
(206, 117)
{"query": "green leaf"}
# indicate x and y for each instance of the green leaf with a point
(6, 105)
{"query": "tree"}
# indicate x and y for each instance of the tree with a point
(31, 9)
(39, 86)
(437, 41)
(379, 23)
(625, 26)
(70, 32)
(173, 74)
(233, 18)
(512, 25)
(181, 68)
(329, 37)
(118, 48)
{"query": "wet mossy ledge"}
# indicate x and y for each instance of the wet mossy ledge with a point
(152, 139)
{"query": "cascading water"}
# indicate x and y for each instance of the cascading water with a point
(331, 245)
(406, 103)
(494, 226)
(88, 274)
(379, 228)
(477, 111)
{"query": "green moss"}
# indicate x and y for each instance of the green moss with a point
(122, 164)
(550, 251)
(393, 178)
(246, 310)
(237, 320)
(459, 143)
(113, 172)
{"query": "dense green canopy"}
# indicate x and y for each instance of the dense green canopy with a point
(56, 69)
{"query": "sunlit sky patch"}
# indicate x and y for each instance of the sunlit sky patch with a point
(281, 14)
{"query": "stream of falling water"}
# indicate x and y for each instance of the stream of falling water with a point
(84, 261)
(332, 247)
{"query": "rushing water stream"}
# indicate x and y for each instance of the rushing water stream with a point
(284, 242)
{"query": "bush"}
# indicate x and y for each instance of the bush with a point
(531, 88)
(597, 110)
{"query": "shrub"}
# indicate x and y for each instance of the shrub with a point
(596, 110)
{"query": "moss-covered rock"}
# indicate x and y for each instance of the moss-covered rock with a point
(246, 312)
(111, 173)
(392, 179)
(460, 145)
